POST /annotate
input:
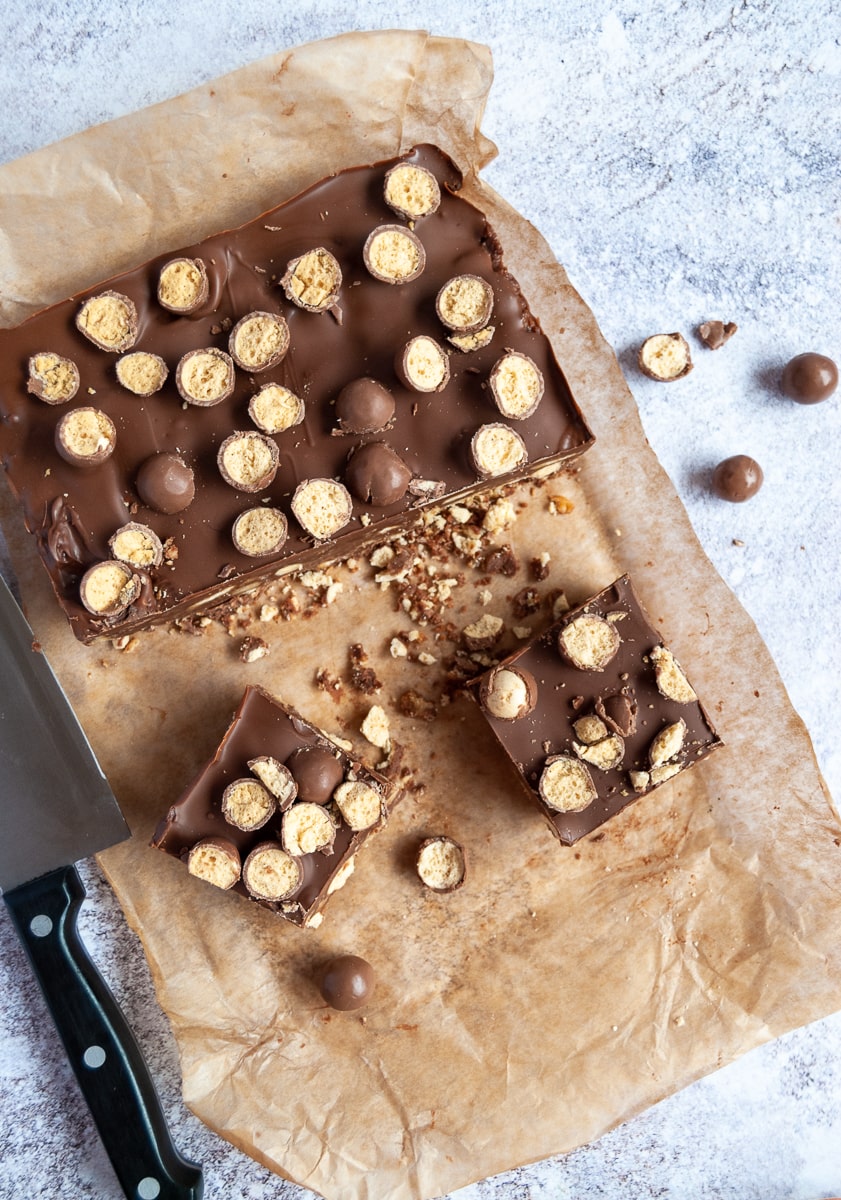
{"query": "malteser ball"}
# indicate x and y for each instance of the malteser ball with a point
(317, 773)
(165, 483)
(809, 378)
(376, 474)
(364, 406)
(737, 478)
(347, 982)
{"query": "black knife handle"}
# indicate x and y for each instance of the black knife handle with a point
(102, 1049)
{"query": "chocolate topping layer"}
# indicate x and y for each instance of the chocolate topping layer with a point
(431, 433)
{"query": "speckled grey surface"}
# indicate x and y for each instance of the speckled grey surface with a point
(691, 171)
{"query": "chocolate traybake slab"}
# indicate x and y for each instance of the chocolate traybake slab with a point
(595, 712)
(144, 417)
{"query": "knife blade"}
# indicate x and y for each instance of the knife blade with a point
(56, 807)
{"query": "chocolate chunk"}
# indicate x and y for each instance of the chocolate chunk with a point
(809, 378)
(364, 406)
(665, 357)
(376, 474)
(737, 478)
(85, 437)
(165, 483)
(348, 982)
(53, 379)
(317, 773)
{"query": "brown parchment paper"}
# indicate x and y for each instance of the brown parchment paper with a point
(562, 989)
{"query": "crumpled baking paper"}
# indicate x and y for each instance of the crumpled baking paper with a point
(561, 990)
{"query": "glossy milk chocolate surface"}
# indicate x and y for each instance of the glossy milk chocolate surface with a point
(74, 511)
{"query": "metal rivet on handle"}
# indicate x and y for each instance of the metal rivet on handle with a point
(94, 1057)
(41, 925)
(148, 1188)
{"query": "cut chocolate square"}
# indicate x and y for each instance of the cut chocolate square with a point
(595, 712)
(278, 813)
(246, 343)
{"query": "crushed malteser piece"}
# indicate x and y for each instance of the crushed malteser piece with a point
(411, 191)
(665, 357)
(560, 505)
(671, 681)
(270, 873)
(465, 303)
(665, 771)
(397, 648)
(516, 385)
(381, 556)
(566, 785)
(109, 320)
(604, 753)
(247, 805)
(252, 649)
(375, 727)
(589, 642)
(248, 460)
(205, 377)
(136, 545)
(276, 778)
(497, 449)
(559, 603)
(359, 803)
(525, 602)
(141, 372)
(412, 704)
(259, 531)
(466, 342)
(53, 379)
(423, 365)
(182, 285)
(508, 693)
(485, 596)
(484, 633)
(85, 437)
(426, 659)
(275, 408)
(216, 861)
(539, 566)
(441, 864)
(501, 560)
(362, 678)
(639, 780)
(715, 333)
(501, 515)
(321, 507)
(590, 729)
(259, 341)
(668, 743)
(307, 827)
(108, 588)
(521, 632)
(313, 280)
(393, 254)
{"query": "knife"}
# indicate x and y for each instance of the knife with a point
(56, 807)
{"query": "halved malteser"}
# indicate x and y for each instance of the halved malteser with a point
(321, 507)
(497, 449)
(109, 320)
(665, 357)
(215, 860)
(205, 377)
(275, 408)
(276, 777)
(53, 379)
(589, 642)
(136, 545)
(258, 532)
(411, 191)
(565, 784)
(259, 341)
(669, 676)
(247, 805)
(271, 873)
(393, 254)
(307, 828)
(465, 303)
(516, 384)
(108, 588)
(508, 693)
(359, 803)
(85, 437)
(248, 460)
(468, 342)
(313, 280)
(182, 285)
(141, 372)
(441, 864)
(423, 365)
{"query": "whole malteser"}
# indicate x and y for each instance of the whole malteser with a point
(347, 982)
(165, 483)
(508, 693)
(141, 373)
(376, 474)
(182, 285)
(364, 406)
(85, 437)
(737, 478)
(53, 379)
(109, 320)
(259, 341)
(411, 191)
(205, 377)
(316, 771)
(809, 378)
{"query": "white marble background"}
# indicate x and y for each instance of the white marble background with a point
(683, 161)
